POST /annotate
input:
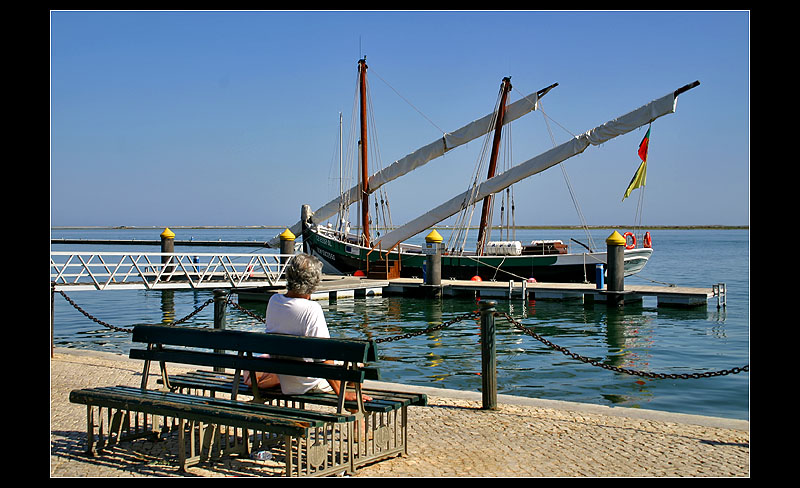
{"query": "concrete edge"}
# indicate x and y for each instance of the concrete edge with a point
(636, 413)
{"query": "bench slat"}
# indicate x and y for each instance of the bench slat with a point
(353, 350)
(382, 400)
(160, 403)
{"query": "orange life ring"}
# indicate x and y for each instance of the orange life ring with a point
(631, 245)
(647, 241)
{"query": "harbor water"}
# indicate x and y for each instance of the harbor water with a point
(641, 337)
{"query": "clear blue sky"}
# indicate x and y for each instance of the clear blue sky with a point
(231, 118)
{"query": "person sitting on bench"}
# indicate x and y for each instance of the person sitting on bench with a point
(295, 313)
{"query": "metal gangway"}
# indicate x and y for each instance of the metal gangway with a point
(71, 270)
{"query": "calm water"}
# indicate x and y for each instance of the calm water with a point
(641, 337)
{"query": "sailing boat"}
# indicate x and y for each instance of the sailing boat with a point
(388, 256)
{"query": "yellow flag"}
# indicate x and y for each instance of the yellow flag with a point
(639, 179)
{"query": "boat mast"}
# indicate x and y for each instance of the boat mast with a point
(362, 70)
(505, 86)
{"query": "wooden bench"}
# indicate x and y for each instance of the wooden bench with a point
(310, 442)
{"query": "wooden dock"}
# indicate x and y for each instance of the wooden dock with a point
(333, 287)
(667, 296)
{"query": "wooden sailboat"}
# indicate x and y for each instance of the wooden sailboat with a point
(389, 256)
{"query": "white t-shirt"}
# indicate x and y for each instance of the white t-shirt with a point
(301, 317)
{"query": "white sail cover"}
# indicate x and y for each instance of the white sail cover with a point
(576, 145)
(418, 158)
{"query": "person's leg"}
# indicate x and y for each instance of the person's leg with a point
(265, 380)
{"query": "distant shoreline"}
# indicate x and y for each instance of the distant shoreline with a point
(530, 227)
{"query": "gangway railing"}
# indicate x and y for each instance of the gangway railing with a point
(70, 270)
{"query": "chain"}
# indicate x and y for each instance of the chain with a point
(246, 312)
(430, 329)
(593, 362)
(122, 329)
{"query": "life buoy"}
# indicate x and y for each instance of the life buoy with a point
(647, 241)
(631, 245)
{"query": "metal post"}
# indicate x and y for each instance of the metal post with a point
(167, 245)
(220, 307)
(488, 356)
(615, 257)
(287, 244)
(433, 250)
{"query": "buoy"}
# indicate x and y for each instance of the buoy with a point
(648, 241)
(359, 273)
(632, 244)
(531, 280)
(476, 278)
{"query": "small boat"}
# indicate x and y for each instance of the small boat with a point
(389, 256)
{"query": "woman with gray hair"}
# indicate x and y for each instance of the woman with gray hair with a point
(303, 274)
(295, 313)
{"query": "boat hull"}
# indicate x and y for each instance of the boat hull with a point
(347, 258)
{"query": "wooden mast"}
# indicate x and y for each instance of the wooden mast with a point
(505, 87)
(362, 69)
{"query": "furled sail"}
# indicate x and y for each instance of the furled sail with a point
(621, 125)
(422, 156)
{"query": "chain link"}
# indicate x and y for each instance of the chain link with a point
(444, 325)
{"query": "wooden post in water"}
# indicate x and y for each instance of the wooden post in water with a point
(220, 308)
(615, 257)
(488, 356)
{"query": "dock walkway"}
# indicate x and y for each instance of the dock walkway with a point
(451, 437)
(333, 287)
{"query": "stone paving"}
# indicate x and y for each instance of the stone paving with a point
(451, 437)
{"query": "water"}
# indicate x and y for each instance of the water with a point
(639, 337)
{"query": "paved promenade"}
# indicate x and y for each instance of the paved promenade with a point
(452, 437)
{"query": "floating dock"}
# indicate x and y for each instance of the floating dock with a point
(333, 287)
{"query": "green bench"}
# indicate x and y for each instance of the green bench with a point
(309, 441)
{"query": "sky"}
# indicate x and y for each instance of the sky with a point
(180, 118)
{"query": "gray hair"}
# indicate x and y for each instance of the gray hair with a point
(303, 273)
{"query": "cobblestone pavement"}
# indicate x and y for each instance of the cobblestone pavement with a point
(451, 437)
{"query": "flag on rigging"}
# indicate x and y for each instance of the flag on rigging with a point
(640, 178)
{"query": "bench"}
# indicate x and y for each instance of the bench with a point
(310, 442)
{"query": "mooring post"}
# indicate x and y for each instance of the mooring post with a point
(615, 257)
(433, 250)
(488, 356)
(167, 245)
(220, 308)
(287, 245)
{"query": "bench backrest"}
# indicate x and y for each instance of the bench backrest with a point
(240, 350)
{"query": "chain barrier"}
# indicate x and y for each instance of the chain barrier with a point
(444, 325)
(593, 362)
(122, 329)
(434, 328)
